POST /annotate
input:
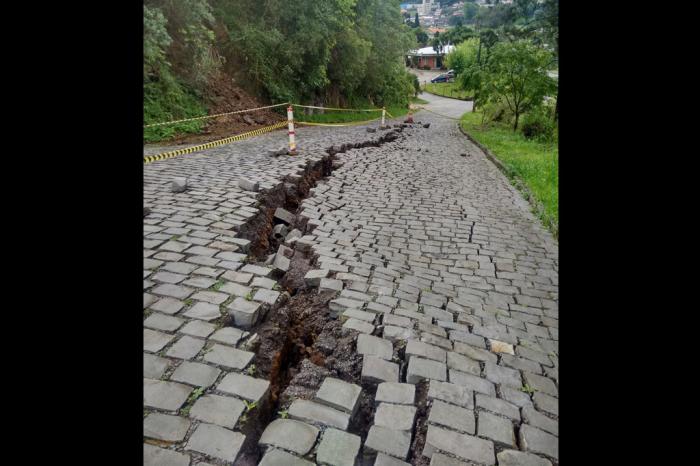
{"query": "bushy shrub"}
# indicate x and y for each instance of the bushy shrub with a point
(539, 125)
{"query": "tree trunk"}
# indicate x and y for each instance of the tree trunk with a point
(556, 108)
(517, 117)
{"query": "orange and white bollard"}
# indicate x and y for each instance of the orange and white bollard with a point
(290, 123)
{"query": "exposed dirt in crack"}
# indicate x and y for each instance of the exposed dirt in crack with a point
(415, 454)
(299, 344)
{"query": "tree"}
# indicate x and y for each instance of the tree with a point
(471, 9)
(463, 56)
(517, 74)
(422, 37)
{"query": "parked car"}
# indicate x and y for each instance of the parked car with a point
(447, 77)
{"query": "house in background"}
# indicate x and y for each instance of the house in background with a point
(427, 57)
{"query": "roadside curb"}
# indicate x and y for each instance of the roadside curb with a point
(517, 182)
(447, 97)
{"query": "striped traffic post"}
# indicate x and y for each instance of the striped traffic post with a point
(383, 115)
(290, 122)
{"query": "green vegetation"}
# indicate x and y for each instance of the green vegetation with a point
(332, 53)
(448, 90)
(535, 162)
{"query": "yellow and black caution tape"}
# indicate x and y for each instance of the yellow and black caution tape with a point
(166, 155)
(213, 116)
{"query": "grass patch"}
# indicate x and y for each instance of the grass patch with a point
(448, 90)
(347, 116)
(535, 163)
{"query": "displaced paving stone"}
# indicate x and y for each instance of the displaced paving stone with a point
(378, 370)
(451, 416)
(340, 395)
(155, 341)
(228, 357)
(248, 185)
(245, 387)
(203, 311)
(330, 284)
(162, 322)
(359, 325)
(228, 335)
(220, 410)
(538, 441)
(389, 441)
(519, 458)
(154, 366)
(338, 448)
(165, 427)
(216, 441)
(199, 282)
(420, 369)
(281, 263)
(178, 185)
(451, 393)
(316, 413)
(195, 373)
(424, 350)
(464, 446)
(496, 428)
(266, 296)
(313, 277)
(498, 406)
(472, 382)
(277, 457)
(397, 393)
(394, 416)
(185, 348)
(295, 436)
(245, 313)
(168, 396)
(154, 456)
(284, 215)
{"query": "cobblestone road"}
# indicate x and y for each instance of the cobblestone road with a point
(441, 270)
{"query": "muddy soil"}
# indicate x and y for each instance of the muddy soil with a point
(221, 96)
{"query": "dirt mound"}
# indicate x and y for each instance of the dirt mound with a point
(223, 95)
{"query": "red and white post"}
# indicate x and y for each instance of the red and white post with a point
(290, 122)
(383, 116)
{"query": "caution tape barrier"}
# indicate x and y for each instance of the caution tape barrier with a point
(213, 116)
(341, 109)
(353, 123)
(166, 155)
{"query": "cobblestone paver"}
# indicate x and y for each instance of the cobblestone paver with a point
(428, 251)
